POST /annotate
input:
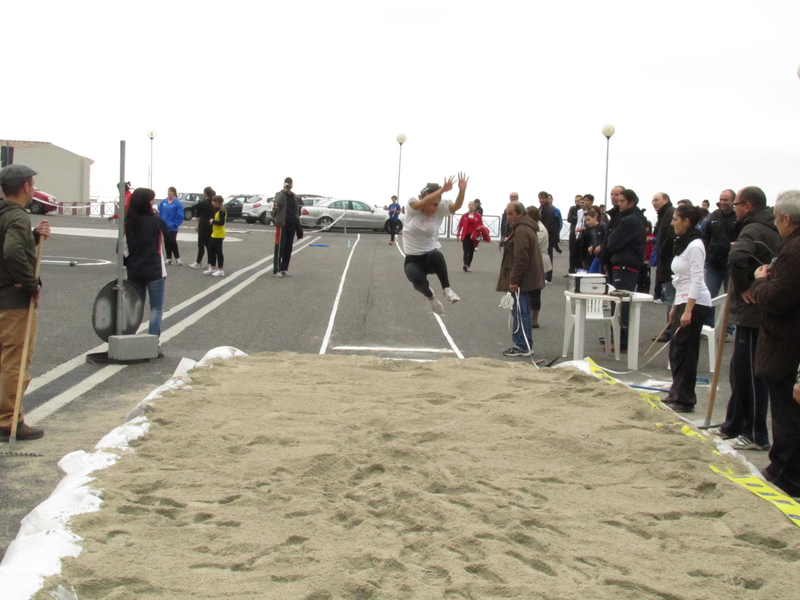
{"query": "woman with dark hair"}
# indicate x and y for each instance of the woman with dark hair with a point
(469, 223)
(421, 239)
(692, 303)
(203, 215)
(544, 244)
(145, 232)
(171, 211)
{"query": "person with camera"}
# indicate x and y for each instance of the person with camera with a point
(287, 223)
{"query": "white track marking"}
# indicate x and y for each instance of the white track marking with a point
(113, 234)
(327, 337)
(387, 349)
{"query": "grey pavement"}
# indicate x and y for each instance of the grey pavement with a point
(377, 308)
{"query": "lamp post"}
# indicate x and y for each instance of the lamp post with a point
(608, 131)
(151, 134)
(401, 139)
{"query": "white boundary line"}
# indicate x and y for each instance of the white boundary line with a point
(327, 337)
(387, 349)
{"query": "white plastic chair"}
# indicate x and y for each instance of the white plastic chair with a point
(710, 333)
(594, 312)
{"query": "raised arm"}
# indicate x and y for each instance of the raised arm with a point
(434, 196)
(462, 188)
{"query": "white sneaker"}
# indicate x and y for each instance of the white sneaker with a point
(218, 273)
(169, 261)
(210, 271)
(436, 306)
(178, 262)
(196, 265)
(450, 295)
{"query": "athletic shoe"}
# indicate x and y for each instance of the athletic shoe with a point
(514, 352)
(277, 274)
(196, 265)
(450, 295)
(168, 261)
(178, 262)
(391, 243)
(718, 432)
(436, 306)
(210, 271)
(728, 338)
(24, 432)
(679, 407)
(742, 443)
(218, 273)
(466, 269)
(658, 301)
(285, 274)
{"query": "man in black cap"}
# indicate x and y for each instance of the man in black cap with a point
(18, 285)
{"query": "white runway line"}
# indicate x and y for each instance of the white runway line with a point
(327, 337)
(114, 234)
(387, 349)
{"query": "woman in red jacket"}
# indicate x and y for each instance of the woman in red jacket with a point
(469, 223)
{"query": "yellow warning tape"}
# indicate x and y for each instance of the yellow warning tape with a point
(750, 482)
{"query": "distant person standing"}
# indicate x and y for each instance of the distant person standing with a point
(216, 260)
(287, 221)
(478, 207)
(550, 222)
(203, 213)
(544, 241)
(171, 211)
(145, 232)
(469, 223)
(718, 234)
(18, 285)
(572, 219)
(127, 199)
(421, 239)
(560, 220)
(395, 210)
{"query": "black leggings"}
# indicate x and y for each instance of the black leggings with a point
(215, 256)
(171, 244)
(203, 237)
(419, 266)
(469, 250)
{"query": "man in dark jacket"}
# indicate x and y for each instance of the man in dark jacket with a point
(718, 234)
(287, 221)
(572, 219)
(757, 243)
(521, 272)
(777, 291)
(550, 222)
(18, 286)
(665, 237)
(625, 253)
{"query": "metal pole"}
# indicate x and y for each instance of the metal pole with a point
(399, 164)
(120, 289)
(605, 191)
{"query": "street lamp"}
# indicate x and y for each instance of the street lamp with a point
(401, 139)
(151, 134)
(608, 131)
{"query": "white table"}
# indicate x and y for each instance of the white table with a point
(636, 299)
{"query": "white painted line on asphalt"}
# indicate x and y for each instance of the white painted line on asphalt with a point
(327, 337)
(447, 335)
(398, 244)
(388, 349)
(100, 376)
(113, 234)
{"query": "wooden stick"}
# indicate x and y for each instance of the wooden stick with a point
(718, 361)
(23, 366)
(655, 341)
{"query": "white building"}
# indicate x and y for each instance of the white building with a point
(62, 173)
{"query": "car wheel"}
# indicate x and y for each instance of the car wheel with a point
(250, 220)
(37, 208)
(188, 214)
(265, 218)
(324, 221)
(398, 229)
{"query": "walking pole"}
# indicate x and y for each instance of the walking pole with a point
(705, 424)
(23, 367)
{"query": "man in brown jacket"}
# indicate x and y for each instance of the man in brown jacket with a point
(777, 291)
(521, 272)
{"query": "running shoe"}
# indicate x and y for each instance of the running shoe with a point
(285, 274)
(466, 269)
(277, 274)
(436, 306)
(196, 265)
(514, 352)
(450, 295)
(218, 273)
(742, 443)
(169, 261)
(718, 432)
(178, 262)
(210, 271)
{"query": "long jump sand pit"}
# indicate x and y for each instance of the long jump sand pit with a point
(323, 477)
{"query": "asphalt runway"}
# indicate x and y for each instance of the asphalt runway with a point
(377, 313)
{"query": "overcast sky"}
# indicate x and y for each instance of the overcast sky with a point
(704, 95)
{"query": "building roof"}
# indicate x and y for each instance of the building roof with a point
(31, 144)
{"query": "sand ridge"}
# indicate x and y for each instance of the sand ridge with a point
(321, 477)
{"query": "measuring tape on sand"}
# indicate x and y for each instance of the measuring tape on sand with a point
(750, 482)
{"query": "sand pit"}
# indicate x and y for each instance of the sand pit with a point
(321, 477)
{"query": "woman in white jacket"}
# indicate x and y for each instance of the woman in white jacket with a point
(544, 242)
(692, 304)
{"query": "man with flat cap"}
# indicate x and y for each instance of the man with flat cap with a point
(18, 285)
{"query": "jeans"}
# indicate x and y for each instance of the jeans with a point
(668, 297)
(715, 280)
(522, 332)
(747, 408)
(155, 289)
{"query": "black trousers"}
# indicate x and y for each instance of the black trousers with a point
(784, 456)
(171, 244)
(203, 237)
(623, 278)
(684, 351)
(215, 256)
(418, 267)
(284, 243)
(469, 250)
(393, 227)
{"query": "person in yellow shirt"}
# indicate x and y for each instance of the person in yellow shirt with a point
(215, 256)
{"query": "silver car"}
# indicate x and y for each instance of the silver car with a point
(346, 213)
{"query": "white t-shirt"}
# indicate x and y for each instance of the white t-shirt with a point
(420, 232)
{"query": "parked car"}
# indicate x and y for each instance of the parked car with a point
(350, 213)
(189, 201)
(236, 204)
(261, 209)
(42, 203)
